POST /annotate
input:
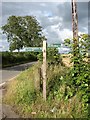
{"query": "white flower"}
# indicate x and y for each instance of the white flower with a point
(61, 77)
(53, 110)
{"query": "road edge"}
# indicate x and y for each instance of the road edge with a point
(4, 83)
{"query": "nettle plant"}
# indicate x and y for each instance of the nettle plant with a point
(79, 75)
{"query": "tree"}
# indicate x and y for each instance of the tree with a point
(23, 32)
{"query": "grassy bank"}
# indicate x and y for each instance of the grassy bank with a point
(25, 94)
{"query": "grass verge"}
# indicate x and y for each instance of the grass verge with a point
(25, 95)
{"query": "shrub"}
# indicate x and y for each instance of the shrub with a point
(53, 57)
(10, 58)
(78, 77)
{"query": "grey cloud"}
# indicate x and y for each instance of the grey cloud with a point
(48, 14)
(83, 15)
(23, 8)
(52, 36)
(60, 10)
(82, 8)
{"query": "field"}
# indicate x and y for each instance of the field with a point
(66, 58)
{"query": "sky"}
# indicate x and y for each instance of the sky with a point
(54, 17)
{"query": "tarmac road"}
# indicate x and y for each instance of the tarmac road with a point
(6, 75)
(11, 72)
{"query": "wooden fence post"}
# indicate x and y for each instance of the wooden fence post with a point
(44, 70)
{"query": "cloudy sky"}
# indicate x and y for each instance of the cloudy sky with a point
(54, 17)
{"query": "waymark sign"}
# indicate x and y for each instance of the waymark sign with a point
(54, 45)
(40, 49)
(34, 49)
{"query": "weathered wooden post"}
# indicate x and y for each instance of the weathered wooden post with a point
(44, 70)
(37, 79)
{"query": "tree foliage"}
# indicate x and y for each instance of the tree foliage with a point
(23, 32)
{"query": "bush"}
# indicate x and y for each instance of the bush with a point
(53, 57)
(78, 77)
(55, 77)
(10, 58)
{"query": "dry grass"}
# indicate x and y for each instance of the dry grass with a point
(66, 59)
(8, 96)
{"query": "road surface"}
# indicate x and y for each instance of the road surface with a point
(5, 75)
(11, 72)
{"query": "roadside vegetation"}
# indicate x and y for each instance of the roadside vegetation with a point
(67, 91)
(15, 58)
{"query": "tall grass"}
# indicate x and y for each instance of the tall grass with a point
(22, 94)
